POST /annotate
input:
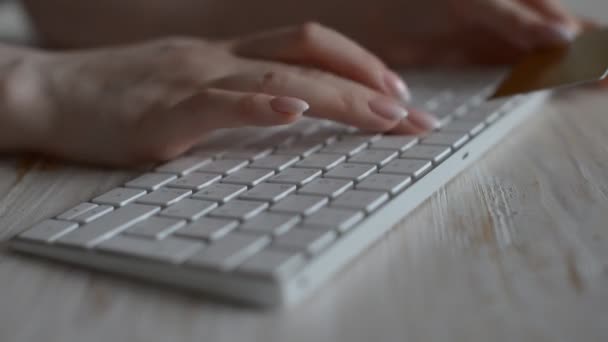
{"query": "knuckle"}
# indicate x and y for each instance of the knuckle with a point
(349, 102)
(309, 32)
(316, 74)
(181, 52)
(272, 81)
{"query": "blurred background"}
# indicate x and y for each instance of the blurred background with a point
(14, 25)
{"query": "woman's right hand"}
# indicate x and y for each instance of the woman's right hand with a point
(153, 101)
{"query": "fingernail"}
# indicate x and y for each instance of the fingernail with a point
(560, 34)
(424, 120)
(288, 105)
(396, 86)
(388, 109)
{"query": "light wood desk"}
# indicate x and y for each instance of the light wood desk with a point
(514, 249)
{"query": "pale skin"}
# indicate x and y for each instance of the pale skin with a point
(147, 93)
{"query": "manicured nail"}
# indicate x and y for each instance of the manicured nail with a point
(289, 105)
(424, 120)
(388, 109)
(397, 87)
(563, 33)
(560, 34)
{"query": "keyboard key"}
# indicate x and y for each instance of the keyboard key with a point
(155, 227)
(268, 192)
(189, 209)
(239, 209)
(359, 137)
(414, 167)
(311, 241)
(273, 263)
(184, 165)
(223, 166)
(334, 218)
(270, 223)
(300, 204)
(345, 147)
(465, 126)
(164, 196)
(150, 181)
(249, 177)
(230, 251)
(195, 181)
(303, 148)
(119, 197)
(295, 176)
(355, 172)
(446, 105)
(274, 162)
(455, 140)
(108, 225)
(487, 111)
(281, 138)
(374, 157)
(321, 161)
(77, 211)
(399, 143)
(208, 228)
(93, 214)
(385, 182)
(326, 187)
(207, 151)
(220, 192)
(168, 250)
(367, 201)
(326, 135)
(247, 153)
(435, 153)
(48, 230)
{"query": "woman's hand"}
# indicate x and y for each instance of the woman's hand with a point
(468, 31)
(153, 101)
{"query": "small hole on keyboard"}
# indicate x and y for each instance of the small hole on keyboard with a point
(465, 156)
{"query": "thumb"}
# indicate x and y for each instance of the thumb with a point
(182, 126)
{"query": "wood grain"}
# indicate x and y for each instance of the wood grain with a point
(514, 249)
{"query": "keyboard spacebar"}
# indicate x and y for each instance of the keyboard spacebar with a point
(108, 225)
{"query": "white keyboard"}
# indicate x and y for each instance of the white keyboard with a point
(268, 221)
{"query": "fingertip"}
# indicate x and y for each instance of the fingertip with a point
(290, 106)
(407, 127)
(388, 109)
(424, 120)
(557, 34)
(396, 86)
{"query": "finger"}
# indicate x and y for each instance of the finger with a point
(521, 24)
(471, 47)
(329, 96)
(554, 11)
(588, 24)
(407, 127)
(185, 123)
(315, 45)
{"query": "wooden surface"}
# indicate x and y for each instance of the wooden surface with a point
(513, 249)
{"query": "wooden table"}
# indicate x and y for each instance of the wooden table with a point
(513, 249)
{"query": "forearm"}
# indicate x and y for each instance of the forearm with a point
(22, 109)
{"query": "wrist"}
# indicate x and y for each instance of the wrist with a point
(23, 105)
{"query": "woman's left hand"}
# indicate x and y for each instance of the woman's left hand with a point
(465, 31)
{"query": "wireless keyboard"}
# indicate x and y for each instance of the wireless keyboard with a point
(270, 220)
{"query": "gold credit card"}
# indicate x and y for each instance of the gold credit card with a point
(584, 60)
